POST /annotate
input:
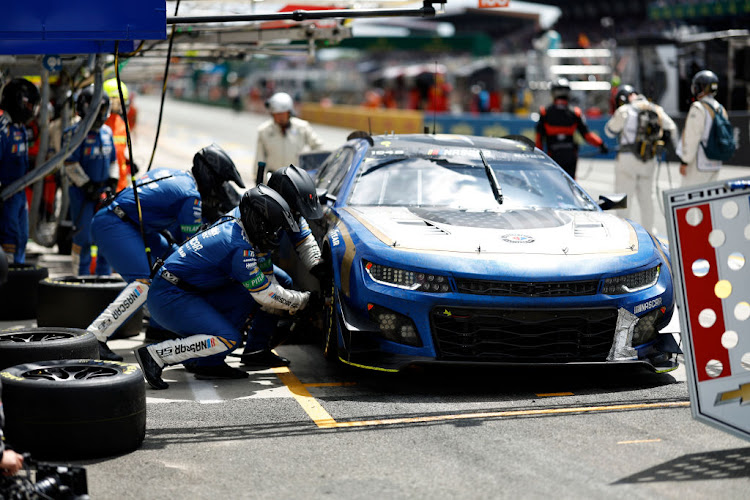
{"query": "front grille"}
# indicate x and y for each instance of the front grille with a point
(526, 289)
(523, 335)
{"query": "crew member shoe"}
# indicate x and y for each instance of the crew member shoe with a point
(222, 371)
(151, 370)
(266, 358)
(106, 353)
(154, 335)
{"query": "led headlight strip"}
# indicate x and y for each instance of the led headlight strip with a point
(634, 282)
(408, 280)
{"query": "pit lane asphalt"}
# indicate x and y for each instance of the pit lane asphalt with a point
(313, 431)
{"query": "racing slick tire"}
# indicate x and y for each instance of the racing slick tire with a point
(330, 322)
(28, 345)
(76, 301)
(19, 294)
(74, 409)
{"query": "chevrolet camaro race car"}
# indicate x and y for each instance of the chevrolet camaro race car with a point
(448, 248)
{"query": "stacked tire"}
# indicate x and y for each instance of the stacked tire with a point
(19, 295)
(76, 301)
(61, 403)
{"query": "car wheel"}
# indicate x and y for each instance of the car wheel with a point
(330, 322)
(76, 301)
(19, 294)
(28, 345)
(74, 409)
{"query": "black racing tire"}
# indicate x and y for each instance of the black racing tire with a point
(64, 237)
(74, 409)
(330, 322)
(19, 294)
(3, 269)
(76, 301)
(29, 345)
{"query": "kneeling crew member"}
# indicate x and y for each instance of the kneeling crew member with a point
(206, 290)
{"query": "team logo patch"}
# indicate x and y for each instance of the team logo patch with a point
(517, 238)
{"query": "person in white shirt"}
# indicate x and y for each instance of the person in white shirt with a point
(695, 168)
(639, 147)
(282, 138)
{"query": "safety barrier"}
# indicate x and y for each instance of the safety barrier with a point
(379, 121)
(490, 124)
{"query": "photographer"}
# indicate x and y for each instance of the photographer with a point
(10, 461)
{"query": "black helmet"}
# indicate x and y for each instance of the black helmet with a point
(264, 213)
(20, 100)
(623, 94)
(704, 82)
(212, 170)
(83, 101)
(560, 88)
(298, 190)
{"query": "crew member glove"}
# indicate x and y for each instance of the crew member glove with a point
(319, 271)
(604, 149)
(91, 191)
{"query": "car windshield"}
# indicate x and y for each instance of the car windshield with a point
(526, 181)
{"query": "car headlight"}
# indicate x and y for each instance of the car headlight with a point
(409, 280)
(631, 282)
(394, 326)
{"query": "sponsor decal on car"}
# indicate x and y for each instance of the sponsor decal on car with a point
(645, 306)
(517, 238)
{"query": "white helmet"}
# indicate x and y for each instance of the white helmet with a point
(280, 102)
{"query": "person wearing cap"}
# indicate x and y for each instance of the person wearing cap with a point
(695, 166)
(557, 126)
(19, 104)
(119, 132)
(282, 138)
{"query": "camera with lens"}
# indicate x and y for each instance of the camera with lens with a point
(41, 480)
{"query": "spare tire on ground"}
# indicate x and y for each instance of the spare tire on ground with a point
(74, 409)
(76, 301)
(28, 345)
(19, 294)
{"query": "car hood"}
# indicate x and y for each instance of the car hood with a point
(526, 231)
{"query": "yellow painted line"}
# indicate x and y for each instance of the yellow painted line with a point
(308, 403)
(513, 413)
(324, 420)
(329, 384)
(639, 441)
(553, 394)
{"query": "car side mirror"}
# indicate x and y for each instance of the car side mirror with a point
(613, 201)
(324, 197)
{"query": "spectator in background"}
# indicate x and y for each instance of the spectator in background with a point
(19, 104)
(282, 138)
(695, 167)
(557, 126)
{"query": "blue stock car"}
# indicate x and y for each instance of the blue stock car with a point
(448, 248)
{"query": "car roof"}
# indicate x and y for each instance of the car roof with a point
(417, 141)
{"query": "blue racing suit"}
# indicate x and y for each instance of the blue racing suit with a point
(205, 292)
(169, 201)
(264, 324)
(14, 163)
(95, 155)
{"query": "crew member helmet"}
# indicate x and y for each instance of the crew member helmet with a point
(704, 83)
(20, 99)
(623, 95)
(280, 102)
(83, 102)
(560, 88)
(110, 87)
(264, 214)
(298, 190)
(212, 170)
